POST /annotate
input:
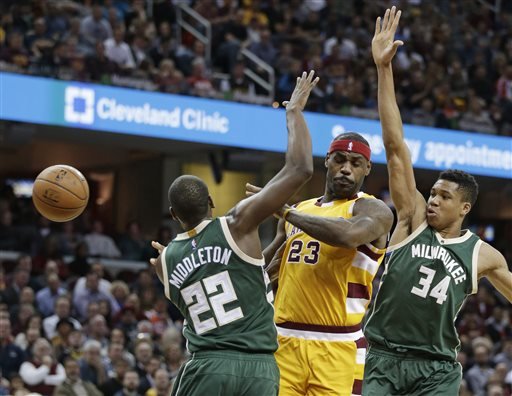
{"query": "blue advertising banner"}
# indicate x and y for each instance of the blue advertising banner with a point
(105, 108)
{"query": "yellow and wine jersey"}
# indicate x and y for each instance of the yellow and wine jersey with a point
(327, 288)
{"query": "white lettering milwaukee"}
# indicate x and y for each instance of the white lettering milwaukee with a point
(440, 253)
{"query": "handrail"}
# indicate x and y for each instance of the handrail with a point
(206, 39)
(269, 84)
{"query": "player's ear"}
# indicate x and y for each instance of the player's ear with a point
(210, 202)
(326, 159)
(368, 168)
(173, 214)
(466, 207)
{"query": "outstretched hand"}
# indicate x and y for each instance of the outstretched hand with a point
(160, 248)
(300, 94)
(384, 45)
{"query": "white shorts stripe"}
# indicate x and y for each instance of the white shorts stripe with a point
(364, 262)
(356, 305)
(314, 335)
(360, 355)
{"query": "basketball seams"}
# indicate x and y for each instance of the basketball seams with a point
(64, 188)
(57, 207)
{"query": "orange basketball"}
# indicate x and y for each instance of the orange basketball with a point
(60, 193)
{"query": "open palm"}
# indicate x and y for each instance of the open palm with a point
(384, 46)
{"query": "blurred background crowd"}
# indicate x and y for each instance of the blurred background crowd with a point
(68, 323)
(454, 72)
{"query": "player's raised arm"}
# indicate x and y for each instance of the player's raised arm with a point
(298, 168)
(401, 176)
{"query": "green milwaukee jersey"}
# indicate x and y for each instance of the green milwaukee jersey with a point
(224, 295)
(426, 280)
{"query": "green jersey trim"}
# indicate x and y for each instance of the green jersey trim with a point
(165, 274)
(451, 241)
(474, 265)
(414, 234)
(196, 230)
(232, 244)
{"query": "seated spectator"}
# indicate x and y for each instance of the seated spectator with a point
(118, 51)
(70, 347)
(42, 373)
(80, 265)
(162, 386)
(200, 84)
(478, 375)
(62, 311)
(91, 365)
(130, 384)
(94, 27)
(143, 356)
(11, 355)
(91, 293)
(476, 119)
(132, 244)
(47, 297)
(97, 330)
(11, 295)
(101, 245)
(73, 385)
(115, 383)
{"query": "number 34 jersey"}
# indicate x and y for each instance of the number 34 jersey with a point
(224, 295)
(425, 282)
(321, 284)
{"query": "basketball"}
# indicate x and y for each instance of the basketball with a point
(60, 193)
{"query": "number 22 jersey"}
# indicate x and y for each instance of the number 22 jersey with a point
(425, 282)
(224, 295)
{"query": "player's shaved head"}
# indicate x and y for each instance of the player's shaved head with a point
(188, 196)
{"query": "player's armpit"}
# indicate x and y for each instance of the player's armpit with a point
(493, 266)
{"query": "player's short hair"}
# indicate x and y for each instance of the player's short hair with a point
(188, 196)
(352, 136)
(468, 187)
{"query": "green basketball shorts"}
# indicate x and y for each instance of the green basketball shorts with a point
(391, 373)
(228, 373)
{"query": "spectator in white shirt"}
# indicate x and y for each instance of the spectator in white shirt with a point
(100, 244)
(118, 51)
(42, 374)
(62, 311)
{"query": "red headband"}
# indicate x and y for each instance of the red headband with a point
(351, 146)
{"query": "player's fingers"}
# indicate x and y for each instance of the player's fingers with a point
(158, 246)
(377, 26)
(285, 103)
(252, 187)
(385, 20)
(394, 26)
(152, 261)
(391, 17)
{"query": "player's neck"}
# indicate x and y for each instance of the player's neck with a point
(451, 231)
(190, 226)
(329, 197)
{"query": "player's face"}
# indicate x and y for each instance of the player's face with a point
(345, 173)
(445, 205)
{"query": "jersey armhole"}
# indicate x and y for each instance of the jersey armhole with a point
(232, 244)
(414, 234)
(165, 273)
(474, 266)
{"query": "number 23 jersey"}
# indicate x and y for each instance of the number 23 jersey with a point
(321, 284)
(425, 282)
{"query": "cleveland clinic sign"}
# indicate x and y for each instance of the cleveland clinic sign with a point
(175, 117)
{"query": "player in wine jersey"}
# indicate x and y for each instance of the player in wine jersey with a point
(213, 272)
(331, 248)
(432, 265)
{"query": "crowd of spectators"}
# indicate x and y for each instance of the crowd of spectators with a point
(69, 327)
(67, 323)
(455, 70)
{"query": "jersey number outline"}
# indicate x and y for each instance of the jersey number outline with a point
(439, 291)
(296, 248)
(198, 301)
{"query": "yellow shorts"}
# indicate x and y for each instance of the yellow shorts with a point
(320, 368)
